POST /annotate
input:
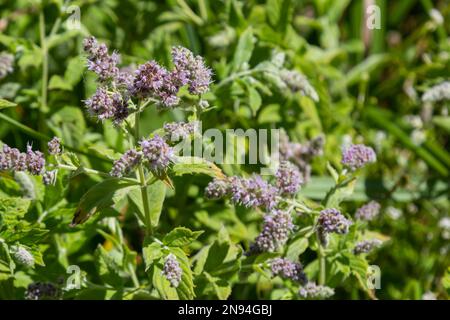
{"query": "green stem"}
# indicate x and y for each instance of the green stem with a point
(322, 262)
(141, 176)
(44, 51)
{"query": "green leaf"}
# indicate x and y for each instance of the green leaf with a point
(156, 195)
(296, 248)
(443, 122)
(185, 289)
(196, 165)
(59, 83)
(254, 99)
(339, 193)
(6, 104)
(151, 253)
(180, 237)
(108, 267)
(75, 70)
(244, 50)
(99, 197)
(13, 209)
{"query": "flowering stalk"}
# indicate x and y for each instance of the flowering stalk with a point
(140, 175)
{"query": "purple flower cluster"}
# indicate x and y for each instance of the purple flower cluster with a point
(368, 212)
(126, 163)
(106, 105)
(42, 291)
(217, 189)
(276, 229)
(49, 177)
(176, 131)
(314, 291)
(155, 81)
(288, 270)
(358, 155)
(99, 61)
(366, 246)
(253, 192)
(289, 178)
(172, 270)
(13, 159)
(157, 152)
(332, 220)
(191, 70)
(54, 146)
(6, 64)
(297, 82)
(301, 154)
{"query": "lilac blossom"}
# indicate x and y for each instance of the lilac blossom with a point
(54, 146)
(217, 189)
(126, 163)
(368, 212)
(99, 61)
(333, 221)
(288, 270)
(276, 229)
(105, 105)
(314, 291)
(6, 64)
(366, 246)
(288, 178)
(190, 70)
(157, 152)
(358, 155)
(172, 270)
(176, 131)
(252, 192)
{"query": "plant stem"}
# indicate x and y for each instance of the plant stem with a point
(141, 176)
(44, 52)
(322, 262)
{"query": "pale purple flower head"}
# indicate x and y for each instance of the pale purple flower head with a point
(6, 64)
(288, 270)
(369, 211)
(54, 146)
(35, 161)
(126, 163)
(276, 229)
(99, 61)
(217, 189)
(253, 192)
(157, 152)
(190, 70)
(366, 246)
(49, 177)
(105, 105)
(289, 178)
(313, 291)
(176, 131)
(332, 220)
(12, 159)
(358, 155)
(172, 270)
(153, 80)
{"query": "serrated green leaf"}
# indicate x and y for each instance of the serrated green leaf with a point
(196, 165)
(180, 237)
(244, 50)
